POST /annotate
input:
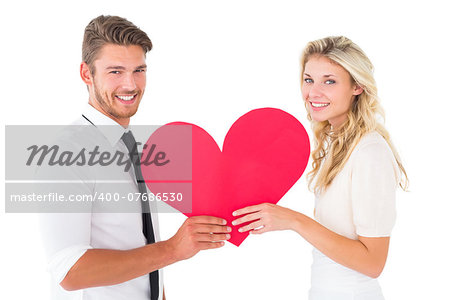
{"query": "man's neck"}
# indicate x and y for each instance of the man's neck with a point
(124, 122)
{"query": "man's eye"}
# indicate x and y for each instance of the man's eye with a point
(308, 80)
(114, 72)
(140, 71)
(330, 81)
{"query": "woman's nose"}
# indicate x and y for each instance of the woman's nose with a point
(314, 91)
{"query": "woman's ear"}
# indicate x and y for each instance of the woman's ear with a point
(357, 90)
(86, 74)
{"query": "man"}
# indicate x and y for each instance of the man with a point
(107, 255)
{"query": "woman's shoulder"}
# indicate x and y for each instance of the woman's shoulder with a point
(374, 153)
(372, 140)
(373, 146)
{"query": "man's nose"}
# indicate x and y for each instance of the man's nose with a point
(129, 82)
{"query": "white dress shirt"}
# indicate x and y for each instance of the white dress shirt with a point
(67, 236)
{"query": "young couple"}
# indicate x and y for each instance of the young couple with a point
(355, 173)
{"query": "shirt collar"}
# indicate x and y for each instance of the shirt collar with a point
(112, 130)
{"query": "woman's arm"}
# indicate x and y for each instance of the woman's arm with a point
(365, 255)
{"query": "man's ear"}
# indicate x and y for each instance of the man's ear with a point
(86, 74)
(357, 90)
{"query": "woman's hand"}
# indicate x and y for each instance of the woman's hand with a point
(366, 255)
(265, 217)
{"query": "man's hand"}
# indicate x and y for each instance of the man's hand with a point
(199, 233)
(101, 267)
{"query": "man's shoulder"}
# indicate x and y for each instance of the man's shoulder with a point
(77, 135)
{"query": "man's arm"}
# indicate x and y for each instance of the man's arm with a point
(101, 267)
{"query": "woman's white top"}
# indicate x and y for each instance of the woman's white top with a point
(359, 202)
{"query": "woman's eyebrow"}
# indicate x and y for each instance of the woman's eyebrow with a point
(326, 75)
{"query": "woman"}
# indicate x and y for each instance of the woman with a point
(355, 172)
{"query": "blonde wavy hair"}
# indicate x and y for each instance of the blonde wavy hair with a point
(338, 143)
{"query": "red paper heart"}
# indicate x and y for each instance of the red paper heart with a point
(264, 153)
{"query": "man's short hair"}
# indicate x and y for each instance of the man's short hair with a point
(111, 30)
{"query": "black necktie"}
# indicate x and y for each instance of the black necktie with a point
(147, 226)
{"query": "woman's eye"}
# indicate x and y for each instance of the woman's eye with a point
(308, 80)
(330, 81)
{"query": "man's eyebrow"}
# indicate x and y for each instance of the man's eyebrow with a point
(115, 68)
(144, 66)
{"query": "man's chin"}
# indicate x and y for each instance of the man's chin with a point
(124, 110)
(123, 115)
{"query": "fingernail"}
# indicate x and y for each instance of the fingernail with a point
(233, 223)
(224, 222)
(240, 229)
(234, 213)
(227, 236)
(229, 229)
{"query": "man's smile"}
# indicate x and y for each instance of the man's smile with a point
(127, 99)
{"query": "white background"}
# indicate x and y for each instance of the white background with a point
(212, 62)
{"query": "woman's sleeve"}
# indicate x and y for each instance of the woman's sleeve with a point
(373, 187)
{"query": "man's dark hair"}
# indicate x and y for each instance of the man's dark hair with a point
(111, 30)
